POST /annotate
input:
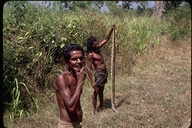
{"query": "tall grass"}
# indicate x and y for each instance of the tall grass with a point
(16, 109)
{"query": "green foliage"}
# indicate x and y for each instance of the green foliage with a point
(180, 23)
(173, 4)
(73, 5)
(15, 107)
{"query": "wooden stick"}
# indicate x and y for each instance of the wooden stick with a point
(113, 73)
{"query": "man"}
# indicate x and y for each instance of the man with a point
(95, 58)
(68, 87)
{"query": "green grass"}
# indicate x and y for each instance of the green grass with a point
(157, 93)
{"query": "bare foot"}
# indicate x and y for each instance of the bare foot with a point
(101, 108)
(95, 112)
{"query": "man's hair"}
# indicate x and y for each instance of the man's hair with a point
(71, 47)
(90, 41)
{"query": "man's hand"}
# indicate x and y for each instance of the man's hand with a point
(95, 87)
(81, 75)
(113, 27)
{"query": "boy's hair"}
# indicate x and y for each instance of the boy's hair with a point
(90, 41)
(71, 47)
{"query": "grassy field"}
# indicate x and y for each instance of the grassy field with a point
(156, 94)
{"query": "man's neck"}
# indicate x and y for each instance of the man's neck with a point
(96, 50)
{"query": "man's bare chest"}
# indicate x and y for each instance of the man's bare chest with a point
(97, 57)
(73, 85)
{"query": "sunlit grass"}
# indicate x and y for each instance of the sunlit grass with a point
(157, 93)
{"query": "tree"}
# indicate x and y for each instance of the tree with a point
(126, 4)
(173, 4)
(72, 5)
(159, 10)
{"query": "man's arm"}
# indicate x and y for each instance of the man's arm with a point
(89, 68)
(107, 37)
(69, 99)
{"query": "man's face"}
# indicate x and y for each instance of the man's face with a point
(95, 44)
(77, 60)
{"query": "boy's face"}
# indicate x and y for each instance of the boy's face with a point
(77, 60)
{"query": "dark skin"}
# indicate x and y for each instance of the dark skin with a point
(95, 59)
(68, 88)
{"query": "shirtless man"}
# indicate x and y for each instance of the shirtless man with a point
(68, 87)
(95, 58)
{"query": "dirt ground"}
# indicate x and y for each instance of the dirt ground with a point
(157, 93)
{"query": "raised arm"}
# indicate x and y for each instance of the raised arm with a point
(107, 37)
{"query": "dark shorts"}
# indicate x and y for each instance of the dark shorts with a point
(100, 78)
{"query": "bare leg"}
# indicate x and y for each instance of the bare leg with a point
(94, 102)
(101, 89)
